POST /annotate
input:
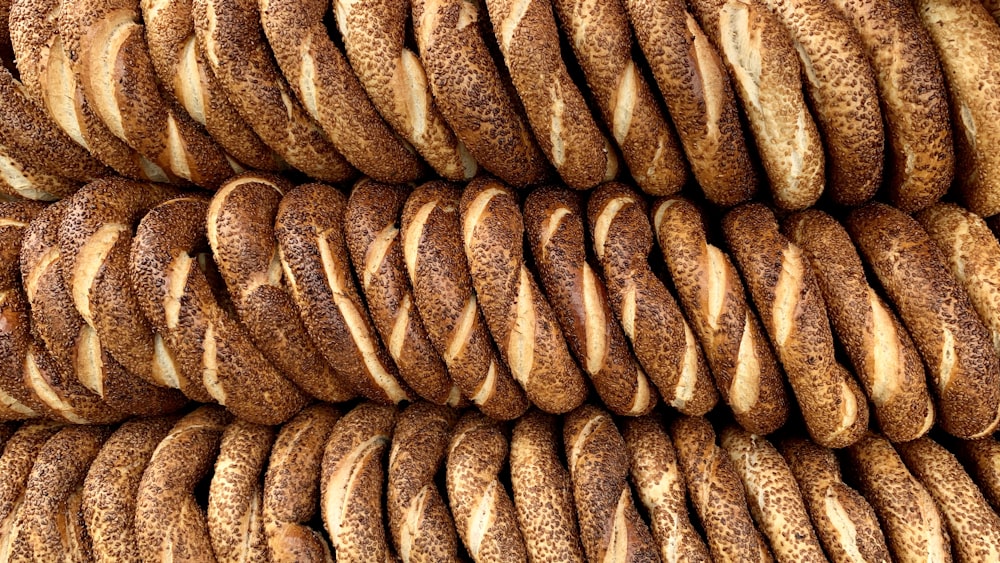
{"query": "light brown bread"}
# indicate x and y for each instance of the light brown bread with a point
(982, 460)
(21, 181)
(16, 462)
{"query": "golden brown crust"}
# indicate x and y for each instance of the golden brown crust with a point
(519, 316)
(880, 349)
(371, 229)
(786, 293)
(442, 287)
(659, 484)
(716, 493)
(421, 527)
(352, 484)
(554, 220)
(310, 232)
(241, 233)
(19, 180)
(961, 362)
(982, 459)
(712, 294)
(16, 463)
(661, 338)
(215, 355)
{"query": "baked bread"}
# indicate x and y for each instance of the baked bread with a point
(21, 181)
(16, 462)
(982, 459)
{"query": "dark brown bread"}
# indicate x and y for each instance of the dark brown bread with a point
(16, 462)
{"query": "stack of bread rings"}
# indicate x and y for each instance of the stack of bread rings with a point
(499, 281)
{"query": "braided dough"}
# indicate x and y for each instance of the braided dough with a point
(711, 292)
(554, 220)
(442, 288)
(519, 316)
(661, 338)
(216, 358)
(18, 458)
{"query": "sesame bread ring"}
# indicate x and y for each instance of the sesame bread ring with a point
(993, 7)
(330, 92)
(310, 232)
(214, 353)
(712, 294)
(961, 362)
(564, 127)
(880, 349)
(845, 523)
(442, 288)
(912, 523)
(602, 42)
(353, 481)
(696, 90)
(914, 99)
(766, 73)
(786, 294)
(371, 229)
(843, 96)
(773, 496)
(229, 35)
(717, 494)
(662, 341)
(169, 523)
(419, 522)
(471, 93)
(111, 485)
(968, 45)
(19, 180)
(119, 80)
(519, 316)
(18, 458)
(982, 459)
(291, 487)
(973, 526)
(659, 484)
(482, 507)
(553, 219)
(543, 494)
(374, 35)
(235, 496)
(184, 75)
(241, 234)
(610, 526)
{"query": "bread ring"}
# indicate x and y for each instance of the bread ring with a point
(184, 74)
(371, 229)
(765, 69)
(235, 497)
(913, 96)
(911, 521)
(291, 487)
(993, 7)
(967, 41)
(696, 90)
(787, 295)
(352, 483)
(554, 220)
(329, 91)
(543, 494)
(241, 233)
(229, 35)
(659, 484)
(471, 93)
(119, 80)
(18, 458)
(982, 459)
(482, 507)
(844, 521)
(712, 294)
(973, 526)
(769, 483)
(169, 523)
(661, 338)
(521, 320)
(19, 180)
(961, 362)
(715, 489)
(111, 485)
(564, 127)
(214, 352)
(421, 527)
(844, 99)
(442, 288)
(880, 349)
(310, 232)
